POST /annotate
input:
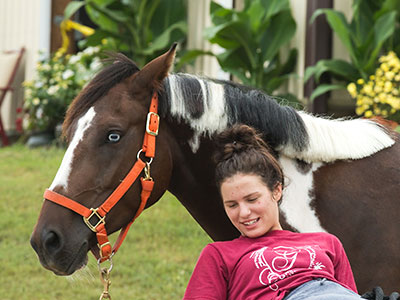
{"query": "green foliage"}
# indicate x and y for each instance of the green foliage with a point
(59, 79)
(251, 40)
(154, 262)
(141, 29)
(380, 95)
(373, 29)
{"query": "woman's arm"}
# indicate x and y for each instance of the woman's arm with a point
(209, 278)
(343, 272)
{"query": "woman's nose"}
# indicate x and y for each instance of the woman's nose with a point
(244, 211)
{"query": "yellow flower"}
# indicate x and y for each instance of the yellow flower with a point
(352, 89)
(360, 81)
(377, 111)
(389, 75)
(377, 89)
(388, 87)
(367, 89)
(384, 67)
(368, 114)
(359, 111)
(382, 97)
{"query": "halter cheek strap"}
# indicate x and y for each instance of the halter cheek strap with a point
(94, 218)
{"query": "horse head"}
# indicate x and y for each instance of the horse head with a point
(104, 127)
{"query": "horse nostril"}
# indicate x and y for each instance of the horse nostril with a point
(52, 242)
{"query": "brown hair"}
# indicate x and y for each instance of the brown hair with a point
(240, 149)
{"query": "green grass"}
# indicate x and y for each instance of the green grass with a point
(154, 262)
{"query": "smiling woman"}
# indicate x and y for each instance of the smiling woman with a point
(266, 262)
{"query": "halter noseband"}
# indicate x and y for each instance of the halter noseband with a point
(99, 213)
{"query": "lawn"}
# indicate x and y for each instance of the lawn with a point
(155, 261)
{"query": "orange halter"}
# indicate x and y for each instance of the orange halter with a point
(98, 226)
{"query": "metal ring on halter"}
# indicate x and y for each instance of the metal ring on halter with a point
(138, 154)
(109, 259)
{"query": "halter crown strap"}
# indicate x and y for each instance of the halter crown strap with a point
(148, 147)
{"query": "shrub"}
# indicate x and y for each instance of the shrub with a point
(380, 95)
(58, 81)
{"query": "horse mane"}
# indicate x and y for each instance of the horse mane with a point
(118, 67)
(209, 106)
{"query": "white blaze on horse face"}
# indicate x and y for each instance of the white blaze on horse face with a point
(296, 197)
(214, 118)
(64, 171)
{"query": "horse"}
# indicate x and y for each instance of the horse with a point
(343, 175)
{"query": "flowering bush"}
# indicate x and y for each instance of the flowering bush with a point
(380, 96)
(59, 79)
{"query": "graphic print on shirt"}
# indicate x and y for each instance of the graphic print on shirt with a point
(277, 263)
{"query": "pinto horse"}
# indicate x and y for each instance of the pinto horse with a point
(343, 175)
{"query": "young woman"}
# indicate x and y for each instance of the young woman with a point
(265, 262)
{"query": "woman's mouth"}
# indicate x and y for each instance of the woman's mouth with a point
(250, 222)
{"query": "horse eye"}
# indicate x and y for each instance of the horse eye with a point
(114, 137)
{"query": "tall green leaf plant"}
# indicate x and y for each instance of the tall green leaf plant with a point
(141, 29)
(251, 40)
(370, 33)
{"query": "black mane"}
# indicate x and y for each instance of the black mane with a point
(280, 124)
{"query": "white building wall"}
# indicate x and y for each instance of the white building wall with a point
(23, 23)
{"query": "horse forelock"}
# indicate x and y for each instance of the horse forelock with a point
(209, 106)
(119, 68)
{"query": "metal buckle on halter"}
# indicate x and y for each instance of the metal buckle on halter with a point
(94, 213)
(148, 130)
(101, 248)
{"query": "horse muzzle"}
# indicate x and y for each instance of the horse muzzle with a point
(58, 255)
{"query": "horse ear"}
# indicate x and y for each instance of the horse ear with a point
(153, 73)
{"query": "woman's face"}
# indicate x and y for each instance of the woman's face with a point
(250, 205)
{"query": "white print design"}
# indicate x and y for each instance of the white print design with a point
(280, 263)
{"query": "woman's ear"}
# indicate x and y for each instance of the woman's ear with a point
(277, 192)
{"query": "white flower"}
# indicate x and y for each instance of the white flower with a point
(52, 90)
(91, 50)
(25, 122)
(28, 93)
(46, 67)
(74, 58)
(38, 84)
(67, 74)
(36, 101)
(39, 113)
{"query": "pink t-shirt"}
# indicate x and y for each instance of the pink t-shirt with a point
(268, 267)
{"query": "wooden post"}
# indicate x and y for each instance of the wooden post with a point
(318, 46)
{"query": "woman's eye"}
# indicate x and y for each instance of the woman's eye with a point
(114, 137)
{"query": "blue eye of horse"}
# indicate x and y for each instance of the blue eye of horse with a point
(114, 137)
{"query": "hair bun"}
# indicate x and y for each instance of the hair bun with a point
(237, 139)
